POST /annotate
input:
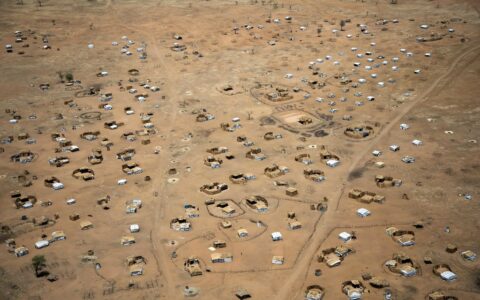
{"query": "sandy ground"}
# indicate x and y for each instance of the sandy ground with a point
(241, 44)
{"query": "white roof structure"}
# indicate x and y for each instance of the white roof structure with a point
(41, 244)
(134, 228)
(354, 295)
(345, 236)
(57, 186)
(408, 271)
(27, 204)
(333, 163)
(276, 236)
(137, 202)
(408, 159)
(469, 255)
(394, 147)
(406, 243)
(448, 275)
(417, 142)
(363, 212)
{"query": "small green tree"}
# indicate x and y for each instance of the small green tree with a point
(38, 262)
(69, 77)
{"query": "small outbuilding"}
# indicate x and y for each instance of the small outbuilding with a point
(277, 236)
(85, 225)
(278, 260)
(363, 212)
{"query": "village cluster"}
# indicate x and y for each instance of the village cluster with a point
(166, 171)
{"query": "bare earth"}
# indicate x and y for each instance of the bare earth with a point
(239, 70)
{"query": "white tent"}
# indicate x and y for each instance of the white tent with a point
(363, 212)
(345, 236)
(276, 236)
(448, 275)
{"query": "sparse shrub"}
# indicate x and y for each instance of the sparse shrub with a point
(69, 76)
